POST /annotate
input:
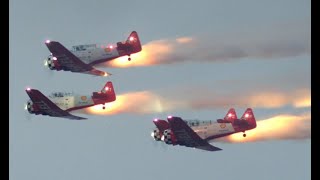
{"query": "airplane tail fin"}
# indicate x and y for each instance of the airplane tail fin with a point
(231, 115)
(249, 117)
(134, 40)
(109, 90)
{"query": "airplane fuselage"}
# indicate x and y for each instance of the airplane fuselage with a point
(72, 102)
(93, 54)
(211, 129)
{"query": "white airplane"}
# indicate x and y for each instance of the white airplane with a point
(196, 133)
(82, 58)
(59, 104)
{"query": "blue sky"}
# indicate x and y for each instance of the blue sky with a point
(273, 38)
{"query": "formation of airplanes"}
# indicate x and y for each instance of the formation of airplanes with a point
(82, 58)
(197, 133)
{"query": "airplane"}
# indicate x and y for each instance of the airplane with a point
(82, 58)
(197, 134)
(59, 104)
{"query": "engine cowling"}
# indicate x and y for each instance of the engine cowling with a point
(156, 135)
(52, 63)
(30, 107)
(168, 137)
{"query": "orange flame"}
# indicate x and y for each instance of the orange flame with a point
(149, 102)
(151, 54)
(138, 102)
(279, 127)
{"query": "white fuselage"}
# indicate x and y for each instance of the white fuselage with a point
(206, 129)
(92, 52)
(66, 102)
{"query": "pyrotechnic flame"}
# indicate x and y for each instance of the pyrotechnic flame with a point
(279, 127)
(184, 40)
(149, 102)
(219, 48)
(137, 102)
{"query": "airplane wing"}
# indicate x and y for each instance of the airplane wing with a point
(47, 107)
(161, 124)
(187, 137)
(69, 62)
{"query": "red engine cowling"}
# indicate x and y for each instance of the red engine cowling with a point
(168, 137)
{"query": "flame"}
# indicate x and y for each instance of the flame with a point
(138, 102)
(217, 47)
(184, 40)
(151, 102)
(303, 98)
(138, 59)
(284, 126)
(152, 53)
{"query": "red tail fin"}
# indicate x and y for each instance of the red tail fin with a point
(134, 40)
(109, 90)
(249, 117)
(106, 94)
(231, 115)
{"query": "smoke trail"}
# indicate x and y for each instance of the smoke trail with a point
(285, 42)
(145, 102)
(286, 126)
(136, 102)
(269, 99)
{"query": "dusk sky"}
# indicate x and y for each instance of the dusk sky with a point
(199, 59)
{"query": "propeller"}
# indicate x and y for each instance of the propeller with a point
(48, 71)
(27, 114)
(156, 144)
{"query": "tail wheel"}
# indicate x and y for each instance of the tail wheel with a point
(244, 135)
(129, 59)
(103, 107)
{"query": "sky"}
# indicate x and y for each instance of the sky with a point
(199, 59)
